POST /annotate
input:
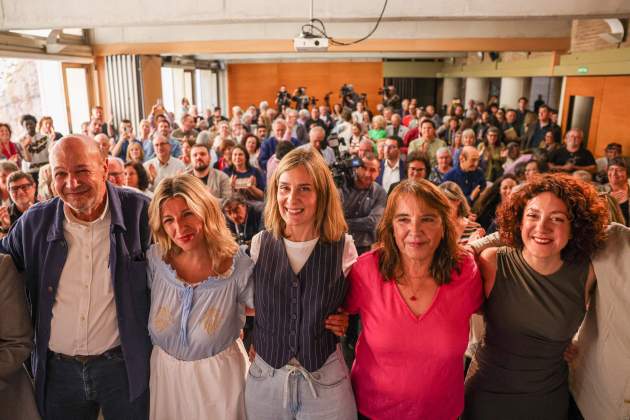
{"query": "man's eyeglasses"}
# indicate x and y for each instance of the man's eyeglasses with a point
(24, 187)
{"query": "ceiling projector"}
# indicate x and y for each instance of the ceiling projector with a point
(310, 43)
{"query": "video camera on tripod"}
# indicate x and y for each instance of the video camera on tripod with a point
(343, 170)
(283, 98)
(301, 99)
(350, 98)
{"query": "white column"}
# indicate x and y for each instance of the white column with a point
(512, 88)
(477, 89)
(451, 88)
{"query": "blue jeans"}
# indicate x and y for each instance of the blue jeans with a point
(79, 390)
(292, 392)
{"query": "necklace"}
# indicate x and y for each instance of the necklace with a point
(414, 292)
(413, 296)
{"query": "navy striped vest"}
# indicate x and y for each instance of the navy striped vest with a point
(291, 308)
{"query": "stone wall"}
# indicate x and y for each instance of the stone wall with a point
(19, 92)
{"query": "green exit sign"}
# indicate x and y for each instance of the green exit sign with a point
(582, 70)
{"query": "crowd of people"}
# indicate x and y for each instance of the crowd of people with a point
(314, 263)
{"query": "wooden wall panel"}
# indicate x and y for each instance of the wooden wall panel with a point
(613, 121)
(151, 66)
(250, 83)
(610, 109)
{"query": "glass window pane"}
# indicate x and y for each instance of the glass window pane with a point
(78, 97)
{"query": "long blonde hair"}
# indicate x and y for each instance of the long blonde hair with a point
(219, 240)
(134, 144)
(329, 219)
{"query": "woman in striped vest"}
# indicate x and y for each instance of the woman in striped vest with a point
(301, 263)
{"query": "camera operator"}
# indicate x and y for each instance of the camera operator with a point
(283, 99)
(243, 219)
(301, 99)
(349, 97)
(391, 98)
(364, 203)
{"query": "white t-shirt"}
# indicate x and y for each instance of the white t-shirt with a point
(390, 175)
(173, 167)
(298, 252)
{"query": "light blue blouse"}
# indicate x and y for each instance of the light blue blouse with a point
(196, 322)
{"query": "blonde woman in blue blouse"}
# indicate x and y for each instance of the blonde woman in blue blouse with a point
(199, 280)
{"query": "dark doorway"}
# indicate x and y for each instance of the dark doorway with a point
(424, 89)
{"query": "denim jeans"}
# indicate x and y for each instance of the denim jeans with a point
(78, 391)
(292, 392)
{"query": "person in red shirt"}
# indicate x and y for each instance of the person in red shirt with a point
(8, 150)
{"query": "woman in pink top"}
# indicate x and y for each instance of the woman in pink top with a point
(415, 294)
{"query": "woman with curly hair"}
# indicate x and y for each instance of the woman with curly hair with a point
(415, 293)
(537, 289)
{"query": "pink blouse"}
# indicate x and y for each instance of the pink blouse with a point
(408, 366)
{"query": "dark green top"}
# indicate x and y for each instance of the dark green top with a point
(530, 320)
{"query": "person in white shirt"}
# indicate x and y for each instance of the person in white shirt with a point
(392, 167)
(163, 164)
(357, 115)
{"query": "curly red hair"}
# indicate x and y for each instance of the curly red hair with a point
(587, 210)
